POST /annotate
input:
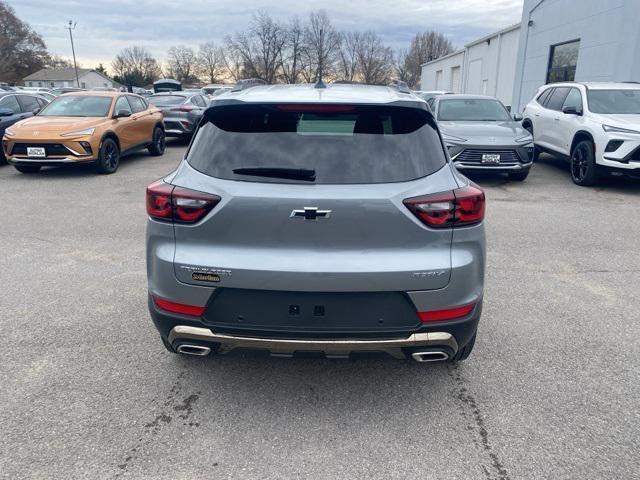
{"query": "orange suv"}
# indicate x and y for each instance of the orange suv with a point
(85, 127)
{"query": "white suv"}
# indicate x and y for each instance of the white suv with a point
(594, 125)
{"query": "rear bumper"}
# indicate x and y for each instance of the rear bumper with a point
(448, 336)
(181, 334)
(178, 127)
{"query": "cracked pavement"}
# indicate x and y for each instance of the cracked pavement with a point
(551, 390)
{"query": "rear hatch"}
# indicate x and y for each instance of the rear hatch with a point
(312, 200)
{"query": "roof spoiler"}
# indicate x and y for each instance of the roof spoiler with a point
(247, 83)
(399, 85)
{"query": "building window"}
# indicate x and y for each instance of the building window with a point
(84, 85)
(31, 84)
(53, 85)
(563, 60)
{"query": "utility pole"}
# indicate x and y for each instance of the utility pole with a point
(72, 25)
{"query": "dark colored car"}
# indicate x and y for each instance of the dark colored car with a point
(182, 111)
(15, 106)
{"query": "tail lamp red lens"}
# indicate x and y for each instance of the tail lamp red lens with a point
(462, 207)
(180, 308)
(448, 314)
(177, 204)
(182, 109)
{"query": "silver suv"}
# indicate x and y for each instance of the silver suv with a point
(317, 219)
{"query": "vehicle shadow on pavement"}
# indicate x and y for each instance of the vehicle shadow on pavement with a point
(252, 374)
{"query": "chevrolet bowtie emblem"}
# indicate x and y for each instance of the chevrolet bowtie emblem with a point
(310, 213)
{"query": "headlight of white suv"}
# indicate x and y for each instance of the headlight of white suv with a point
(612, 129)
(86, 131)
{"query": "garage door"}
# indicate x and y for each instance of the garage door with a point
(474, 85)
(455, 80)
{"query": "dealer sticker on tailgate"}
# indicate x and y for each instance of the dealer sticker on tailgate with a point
(36, 152)
(490, 158)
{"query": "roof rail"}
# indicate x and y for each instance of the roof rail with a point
(247, 83)
(401, 86)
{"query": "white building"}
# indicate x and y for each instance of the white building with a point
(557, 40)
(66, 77)
(586, 40)
(483, 67)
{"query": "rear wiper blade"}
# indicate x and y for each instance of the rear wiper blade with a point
(305, 174)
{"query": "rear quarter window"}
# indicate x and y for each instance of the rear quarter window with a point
(343, 144)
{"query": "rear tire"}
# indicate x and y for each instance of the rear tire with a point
(519, 176)
(28, 168)
(157, 143)
(465, 351)
(584, 171)
(109, 157)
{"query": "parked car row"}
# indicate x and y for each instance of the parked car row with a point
(98, 128)
(595, 126)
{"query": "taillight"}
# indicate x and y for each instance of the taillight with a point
(181, 308)
(461, 207)
(448, 314)
(182, 109)
(178, 204)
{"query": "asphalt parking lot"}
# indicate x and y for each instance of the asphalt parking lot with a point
(551, 390)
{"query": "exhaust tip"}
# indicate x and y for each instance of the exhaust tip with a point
(430, 356)
(197, 350)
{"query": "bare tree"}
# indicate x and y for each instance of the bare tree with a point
(260, 48)
(425, 46)
(375, 60)
(233, 66)
(135, 66)
(182, 63)
(322, 45)
(348, 63)
(22, 51)
(292, 59)
(210, 62)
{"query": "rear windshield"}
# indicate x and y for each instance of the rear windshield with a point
(342, 144)
(166, 99)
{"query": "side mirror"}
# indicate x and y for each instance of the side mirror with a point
(572, 111)
(5, 112)
(36, 111)
(517, 117)
(123, 114)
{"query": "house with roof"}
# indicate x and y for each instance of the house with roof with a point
(66, 77)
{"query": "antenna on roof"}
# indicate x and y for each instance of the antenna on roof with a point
(320, 83)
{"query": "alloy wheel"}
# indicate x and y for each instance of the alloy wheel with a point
(579, 163)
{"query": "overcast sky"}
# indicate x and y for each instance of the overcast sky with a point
(105, 27)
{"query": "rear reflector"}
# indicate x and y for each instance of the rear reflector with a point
(461, 207)
(448, 314)
(178, 307)
(178, 204)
